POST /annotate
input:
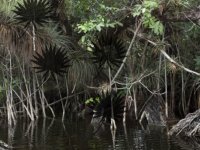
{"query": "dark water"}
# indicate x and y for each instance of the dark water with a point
(79, 135)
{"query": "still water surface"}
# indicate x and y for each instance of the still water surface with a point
(79, 135)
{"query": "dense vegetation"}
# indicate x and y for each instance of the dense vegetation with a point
(84, 49)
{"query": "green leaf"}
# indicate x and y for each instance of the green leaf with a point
(150, 4)
(137, 10)
(99, 26)
(158, 28)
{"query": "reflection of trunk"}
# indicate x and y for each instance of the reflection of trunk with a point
(44, 134)
(11, 134)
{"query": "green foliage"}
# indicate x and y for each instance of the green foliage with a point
(98, 16)
(144, 10)
(97, 24)
(92, 101)
(85, 9)
(92, 26)
(7, 7)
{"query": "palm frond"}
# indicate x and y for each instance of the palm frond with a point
(53, 61)
(108, 50)
(36, 12)
(8, 6)
(50, 34)
(103, 109)
(10, 35)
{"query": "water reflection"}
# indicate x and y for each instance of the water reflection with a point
(186, 143)
(53, 134)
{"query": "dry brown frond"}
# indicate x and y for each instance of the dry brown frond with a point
(172, 67)
(15, 37)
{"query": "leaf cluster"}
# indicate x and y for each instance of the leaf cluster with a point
(144, 10)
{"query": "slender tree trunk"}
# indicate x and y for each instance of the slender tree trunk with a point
(183, 100)
(33, 38)
(135, 103)
(112, 124)
(35, 95)
(172, 92)
(166, 91)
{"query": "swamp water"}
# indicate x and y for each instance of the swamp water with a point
(78, 134)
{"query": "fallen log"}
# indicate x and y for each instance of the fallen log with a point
(189, 126)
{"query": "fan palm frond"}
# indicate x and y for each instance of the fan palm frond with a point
(172, 67)
(108, 50)
(52, 61)
(103, 109)
(11, 37)
(36, 12)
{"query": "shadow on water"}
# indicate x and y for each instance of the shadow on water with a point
(52, 134)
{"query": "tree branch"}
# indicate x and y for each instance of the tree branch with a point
(181, 66)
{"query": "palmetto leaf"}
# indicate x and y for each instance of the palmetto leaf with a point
(103, 109)
(36, 12)
(108, 50)
(52, 61)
